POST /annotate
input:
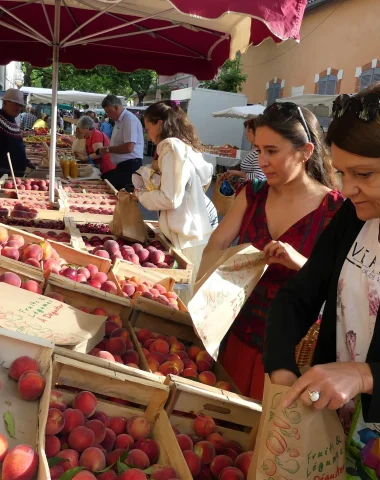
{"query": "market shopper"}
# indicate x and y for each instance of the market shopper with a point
(127, 143)
(27, 119)
(249, 167)
(284, 219)
(181, 200)
(41, 122)
(11, 139)
(343, 270)
(95, 140)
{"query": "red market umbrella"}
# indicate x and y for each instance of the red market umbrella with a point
(182, 36)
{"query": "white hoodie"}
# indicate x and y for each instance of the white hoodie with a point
(181, 200)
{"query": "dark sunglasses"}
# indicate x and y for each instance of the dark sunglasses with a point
(365, 108)
(288, 110)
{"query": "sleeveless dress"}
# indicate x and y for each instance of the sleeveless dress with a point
(242, 356)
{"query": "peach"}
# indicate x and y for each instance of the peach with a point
(205, 451)
(52, 446)
(57, 401)
(109, 287)
(105, 355)
(124, 441)
(235, 446)
(55, 421)
(93, 269)
(133, 259)
(109, 440)
(217, 440)
(138, 459)
(22, 365)
(163, 300)
(203, 426)
(113, 457)
(46, 250)
(71, 457)
(3, 447)
(169, 368)
(128, 289)
(243, 462)
(4, 235)
(111, 247)
(121, 333)
(132, 365)
(160, 288)
(187, 363)
(102, 417)
(154, 292)
(93, 459)
(159, 346)
(73, 418)
(157, 257)
(230, 453)
(148, 343)
(189, 373)
(132, 474)
(182, 355)
(193, 352)
(143, 255)
(98, 428)
(116, 345)
(21, 462)
(184, 442)
(110, 327)
(110, 475)
(224, 385)
(148, 295)
(118, 425)
(10, 252)
(231, 473)
(205, 473)
(203, 366)
(138, 427)
(207, 378)
(154, 366)
(137, 247)
(172, 357)
(31, 385)
(33, 251)
(100, 277)
(84, 475)
(115, 319)
(150, 447)
(11, 279)
(85, 402)
(205, 356)
(131, 356)
(157, 356)
(164, 473)
(56, 472)
(81, 438)
(193, 462)
(118, 359)
(32, 286)
(178, 346)
(219, 463)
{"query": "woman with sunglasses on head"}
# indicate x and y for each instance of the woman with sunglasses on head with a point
(342, 271)
(284, 218)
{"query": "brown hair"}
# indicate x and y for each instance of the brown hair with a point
(250, 124)
(319, 165)
(354, 135)
(175, 123)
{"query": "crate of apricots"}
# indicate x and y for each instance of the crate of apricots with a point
(105, 425)
(25, 382)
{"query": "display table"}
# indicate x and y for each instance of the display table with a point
(227, 162)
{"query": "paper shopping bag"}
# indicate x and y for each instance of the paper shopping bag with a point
(298, 442)
(127, 219)
(227, 281)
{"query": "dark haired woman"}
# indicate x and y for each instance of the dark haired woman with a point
(249, 167)
(184, 219)
(343, 270)
(284, 219)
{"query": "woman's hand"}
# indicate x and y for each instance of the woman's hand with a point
(283, 377)
(336, 383)
(233, 173)
(284, 254)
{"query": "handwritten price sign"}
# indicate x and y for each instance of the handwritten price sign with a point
(45, 317)
(222, 292)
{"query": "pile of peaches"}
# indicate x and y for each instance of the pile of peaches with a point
(98, 446)
(27, 184)
(99, 210)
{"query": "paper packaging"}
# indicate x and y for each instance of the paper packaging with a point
(226, 281)
(127, 219)
(44, 317)
(296, 443)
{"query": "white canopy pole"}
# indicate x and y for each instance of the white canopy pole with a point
(54, 100)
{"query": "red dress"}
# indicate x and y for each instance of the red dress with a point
(242, 356)
(105, 162)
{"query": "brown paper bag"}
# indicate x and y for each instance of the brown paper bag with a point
(222, 203)
(127, 219)
(296, 443)
(228, 279)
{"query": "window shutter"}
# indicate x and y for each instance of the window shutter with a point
(274, 93)
(376, 75)
(366, 79)
(322, 84)
(331, 85)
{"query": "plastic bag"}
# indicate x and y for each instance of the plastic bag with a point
(147, 178)
(226, 189)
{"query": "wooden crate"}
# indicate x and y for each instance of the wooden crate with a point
(128, 270)
(29, 416)
(148, 401)
(24, 271)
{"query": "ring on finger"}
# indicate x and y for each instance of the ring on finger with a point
(314, 396)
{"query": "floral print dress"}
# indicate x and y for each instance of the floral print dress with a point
(358, 302)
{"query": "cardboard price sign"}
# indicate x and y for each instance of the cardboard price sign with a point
(227, 282)
(39, 316)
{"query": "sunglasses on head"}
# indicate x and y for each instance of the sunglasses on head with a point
(288, 110)
(365, 108)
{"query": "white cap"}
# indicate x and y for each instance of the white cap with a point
(14, 95)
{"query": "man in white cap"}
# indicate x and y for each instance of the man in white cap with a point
(10, 134)
(28, 119)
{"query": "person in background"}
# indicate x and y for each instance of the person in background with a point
(92, 115)
(11, 140)
(28, 119)
(94, 141)
(79, 146)
(76, 117)
(283, 219)
(181, 200)
(249, 167)
(343, 271)
(127, 143)
(106, 127)
(42, 122)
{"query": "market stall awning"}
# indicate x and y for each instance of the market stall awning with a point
(312, 100)
(44, 95)
(240, 112)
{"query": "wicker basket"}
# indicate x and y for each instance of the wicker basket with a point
(305, 349)
(222, 203)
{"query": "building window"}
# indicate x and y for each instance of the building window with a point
(368, 77)
(274, 92)
(327, 85)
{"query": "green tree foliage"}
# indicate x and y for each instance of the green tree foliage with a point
(229, 78)
(141, 81)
